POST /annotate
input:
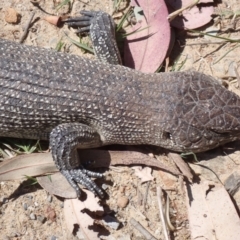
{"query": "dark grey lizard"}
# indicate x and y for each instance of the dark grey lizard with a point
(80, 103)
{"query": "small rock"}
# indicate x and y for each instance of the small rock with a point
(25, 206)
(3, 200)
(122, 202)
(53, 238)
(13, 234)
(111, 222)
(32, 216)
(49, 198)
(31, 208)
(29, 196)
(11, 16)
(104, 186)
(41, 219)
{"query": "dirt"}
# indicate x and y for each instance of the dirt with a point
(34, 214)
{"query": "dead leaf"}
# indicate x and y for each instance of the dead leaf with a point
(182, 165)
(212, 214)
(41, 163)
(232, 183)
(146, 49)
(192, 18)
(58, 185)
(105, 158)
(36, 164)
(75, 214)
(145, 174)
(27, 165)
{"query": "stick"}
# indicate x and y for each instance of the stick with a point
(26, 28)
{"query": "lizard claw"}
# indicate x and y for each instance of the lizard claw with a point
(82, 176)
(82, 22)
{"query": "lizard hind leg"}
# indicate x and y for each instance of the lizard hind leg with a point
(64, 141)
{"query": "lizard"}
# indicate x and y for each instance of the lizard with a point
(76, 102)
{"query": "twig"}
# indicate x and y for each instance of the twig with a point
(219, 59)
(35, 1)
(159, 193)
(203, 43)
(145, 195)
(182, 165)
(167, 61)
(142, 230)
(177, 12)
(26, 28)
(232, 40)
(170, 226)
(238, 77)
(234, 17)
(227, 155)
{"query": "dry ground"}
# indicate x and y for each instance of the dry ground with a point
(34, 214)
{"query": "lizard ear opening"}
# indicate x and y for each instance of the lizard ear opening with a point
(167, 135)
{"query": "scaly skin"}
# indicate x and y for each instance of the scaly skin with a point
(80, 103)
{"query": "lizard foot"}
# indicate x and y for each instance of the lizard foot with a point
(101, 28)
(83, 177)
(82, 22)
(64, 141)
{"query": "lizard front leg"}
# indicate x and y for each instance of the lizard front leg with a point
(64, 141)
(101, 28)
